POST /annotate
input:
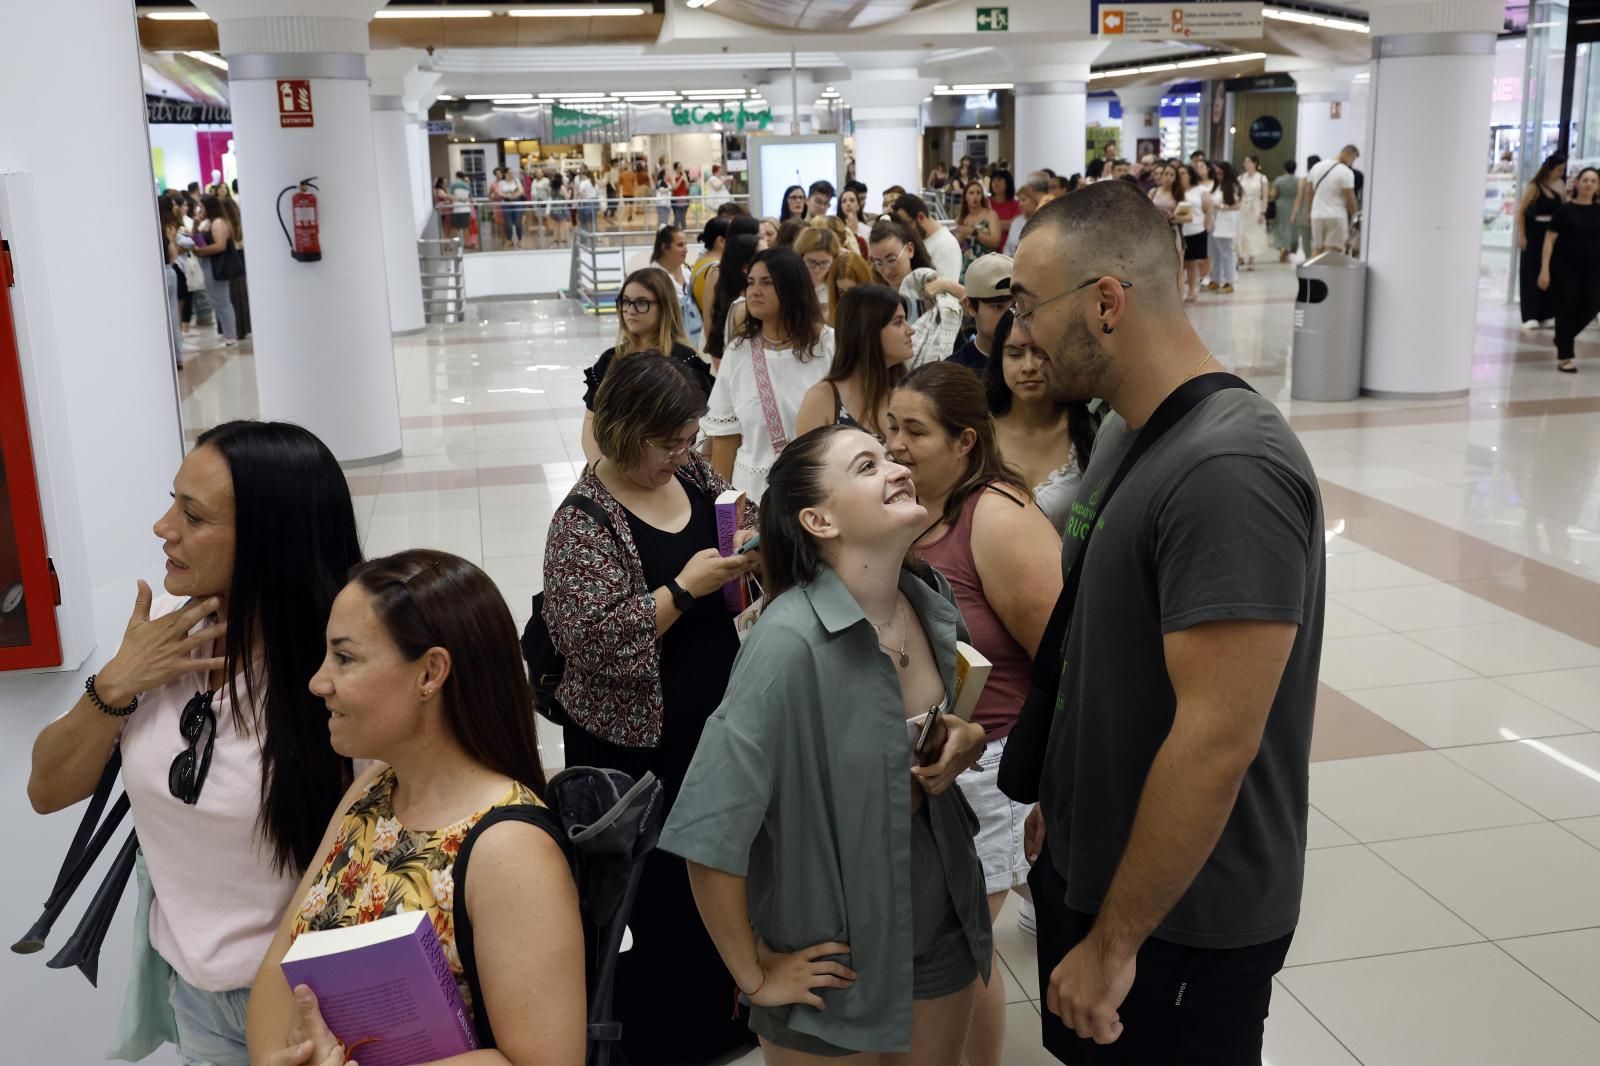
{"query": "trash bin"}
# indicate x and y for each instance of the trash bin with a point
(1330, 319)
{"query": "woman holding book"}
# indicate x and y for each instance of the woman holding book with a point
(636, 603)
(423, 675)
(1002, 557)
(834, 870)
(224, 755)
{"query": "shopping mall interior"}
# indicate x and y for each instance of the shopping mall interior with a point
(461, 187)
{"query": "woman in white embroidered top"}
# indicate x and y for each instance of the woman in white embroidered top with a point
(225, 754)
(780, 349)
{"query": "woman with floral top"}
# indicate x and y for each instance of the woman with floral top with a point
(423, 674)
(634, 600)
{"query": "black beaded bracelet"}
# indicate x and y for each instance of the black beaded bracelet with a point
(115, 712)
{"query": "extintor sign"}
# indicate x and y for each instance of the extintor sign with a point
(294, 103)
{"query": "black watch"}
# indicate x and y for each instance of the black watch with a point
(680, 597)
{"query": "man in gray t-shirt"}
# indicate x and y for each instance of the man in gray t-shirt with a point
(1174, 788)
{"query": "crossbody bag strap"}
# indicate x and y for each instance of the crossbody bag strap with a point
(542, 817)
(1182, 400)
(1324, 178)
(769, 402)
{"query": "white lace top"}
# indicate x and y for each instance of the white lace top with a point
(1055, 493)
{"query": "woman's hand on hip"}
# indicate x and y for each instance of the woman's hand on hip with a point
(155, 652)
(791, 978)
(960, 747)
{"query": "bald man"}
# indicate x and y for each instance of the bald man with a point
(1170, 831)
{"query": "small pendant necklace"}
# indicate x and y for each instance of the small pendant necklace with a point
(899, 656)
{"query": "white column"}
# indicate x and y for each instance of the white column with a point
(401, 266)
(104, 424)
(1319, 93)
(324, 358)
(1141, 117)
(886, 107)
(793, 101)
(1431, 82)
(1052, 86)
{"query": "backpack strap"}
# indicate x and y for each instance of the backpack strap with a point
(542, 817)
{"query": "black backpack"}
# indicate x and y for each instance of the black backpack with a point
(546, 665)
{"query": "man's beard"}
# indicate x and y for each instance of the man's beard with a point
(1078, 369)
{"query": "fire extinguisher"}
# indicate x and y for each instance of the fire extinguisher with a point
(305, 244)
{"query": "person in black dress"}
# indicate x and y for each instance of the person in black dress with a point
(637, 606)
(1540, 201)
(1570, 269)
(649, 318)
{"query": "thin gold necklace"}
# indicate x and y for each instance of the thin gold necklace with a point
(900, 656)
(1196, 370)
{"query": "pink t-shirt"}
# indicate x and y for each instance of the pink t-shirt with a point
(218, 899)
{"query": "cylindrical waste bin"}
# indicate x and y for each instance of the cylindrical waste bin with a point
(1330, 315)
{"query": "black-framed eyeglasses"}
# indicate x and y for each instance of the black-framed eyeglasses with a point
(638, 307)
(1026, 317)
(189, 768)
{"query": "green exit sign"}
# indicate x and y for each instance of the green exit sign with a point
(994, 18)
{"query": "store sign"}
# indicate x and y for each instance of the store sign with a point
(1266, 132)
(159, 111)
(440, 127)
(994, 19)
(700, 115)
(294, 103)
(1165, 19)
(569, 122)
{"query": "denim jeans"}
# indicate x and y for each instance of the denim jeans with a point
(210, 1025)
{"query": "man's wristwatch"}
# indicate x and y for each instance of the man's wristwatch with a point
(680, 597)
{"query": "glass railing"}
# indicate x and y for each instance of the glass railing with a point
(535, 225)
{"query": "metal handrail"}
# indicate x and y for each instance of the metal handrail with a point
(599, 265)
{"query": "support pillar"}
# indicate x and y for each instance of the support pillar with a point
(392, 123)
(793, 101)
(324, 358)
(885, 99)
(1141, 119)
(1432, 75)
(1052, 97)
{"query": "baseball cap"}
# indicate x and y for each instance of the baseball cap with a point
(989, 277)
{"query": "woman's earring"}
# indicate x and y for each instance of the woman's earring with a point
(427, 693)
(1106, 328)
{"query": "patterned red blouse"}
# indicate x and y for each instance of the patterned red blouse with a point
(602, 618)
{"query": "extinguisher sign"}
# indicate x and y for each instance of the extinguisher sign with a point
(294, 103)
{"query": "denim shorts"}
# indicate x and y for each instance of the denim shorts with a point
(1000, 823)
(210, 1025)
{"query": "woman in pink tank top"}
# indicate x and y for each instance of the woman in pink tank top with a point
(1003, 559)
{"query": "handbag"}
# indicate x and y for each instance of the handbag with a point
(1022, 765)
(229, 263)
(546, 665)
(193, 273)
(1272, 210)
(694, 323)
(769, 402)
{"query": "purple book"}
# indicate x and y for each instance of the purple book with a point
(385, 989)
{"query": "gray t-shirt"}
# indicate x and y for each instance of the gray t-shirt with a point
(1220, 520)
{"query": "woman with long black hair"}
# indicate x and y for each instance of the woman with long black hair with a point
(213, 237)
(1570, 269)
(794, 204)
(872, 345)
(1046, 440)
(1535, 211)
(225, 753)
(780, 349)
(727, 299)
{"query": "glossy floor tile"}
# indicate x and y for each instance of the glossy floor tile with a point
(1453, 791)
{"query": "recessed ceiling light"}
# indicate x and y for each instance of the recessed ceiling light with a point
(175, 16)
(576, 12)
(499, 96)
(433, 12)
(207, 57)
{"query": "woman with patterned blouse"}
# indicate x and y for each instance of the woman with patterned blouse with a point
(635, 603)
(424, 675)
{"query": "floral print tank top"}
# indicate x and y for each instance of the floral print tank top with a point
(378, 867)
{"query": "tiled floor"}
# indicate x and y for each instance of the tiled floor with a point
(1452, 907)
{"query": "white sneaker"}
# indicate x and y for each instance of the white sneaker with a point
(1529, 327)
(230, 344)
(1025, 918)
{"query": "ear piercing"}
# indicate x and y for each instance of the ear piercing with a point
(1106, 328)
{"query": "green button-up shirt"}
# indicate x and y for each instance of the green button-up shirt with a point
(802, 784)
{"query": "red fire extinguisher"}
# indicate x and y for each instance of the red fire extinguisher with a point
(305, 244)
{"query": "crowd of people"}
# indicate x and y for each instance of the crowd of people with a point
(926, 437)
(202, 244)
